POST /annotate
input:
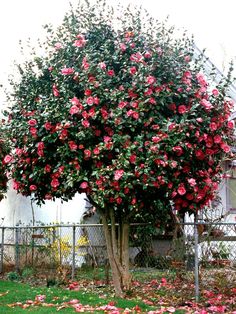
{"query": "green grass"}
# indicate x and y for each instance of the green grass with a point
(18, 292)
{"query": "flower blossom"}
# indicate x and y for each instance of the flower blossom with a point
(67, 71)
(118, 174)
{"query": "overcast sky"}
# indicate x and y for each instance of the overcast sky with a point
(212, 23)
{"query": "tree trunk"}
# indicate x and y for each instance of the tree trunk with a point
(126, 277)
(114, 269)
(118, 252)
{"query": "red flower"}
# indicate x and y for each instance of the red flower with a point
(33, 131)
(119, 200)
(32, 122)
(55, 183)
(73, 146)
(110, 72)
(182, 109)
(199, 154)
(178, 150)
(48, 126)
(132, 159)
(132, 70)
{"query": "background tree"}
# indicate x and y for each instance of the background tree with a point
(117, 108)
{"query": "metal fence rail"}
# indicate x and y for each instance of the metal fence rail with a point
(203, 249)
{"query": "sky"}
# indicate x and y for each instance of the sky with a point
(212, 23)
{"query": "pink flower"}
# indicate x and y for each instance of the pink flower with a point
(118, 174)
(90, 100)
(75, 101)
(33, 187)
(85, 123)
(217, 139)
(147, 54)
(123, 47)
(201, 79)
(215, 92)
(16, 185)
(84, 185)
(181, 189)
(96, 151)
(58, 46)
(80, 41)
(19, 151)
(136, 57)
(110, 72)
(225, 147)
(230, 124)
(55, 90)
(213, 126)
(32, 122)
(182, 109)
(87, 153)
(55, 183)
(206, 104)
(150, 79)
(7, 159)
(74, 109)
(67, 71)
(192, 182)
(85, 63)
(135, 115)
(102, 65)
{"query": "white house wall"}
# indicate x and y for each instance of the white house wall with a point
(16, 208)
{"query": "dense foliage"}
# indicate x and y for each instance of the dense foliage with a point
(4, 150)
(118, 108)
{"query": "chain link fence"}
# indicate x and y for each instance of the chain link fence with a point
(205, 251)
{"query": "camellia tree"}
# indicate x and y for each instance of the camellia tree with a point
(119, 109)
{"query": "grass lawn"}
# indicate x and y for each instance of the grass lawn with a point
(13, 292)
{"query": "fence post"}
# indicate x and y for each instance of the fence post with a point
(2, 250)
(17, 258)
(196, 269)
(73, 253)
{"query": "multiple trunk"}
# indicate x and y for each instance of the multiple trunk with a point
(117, 240)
